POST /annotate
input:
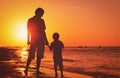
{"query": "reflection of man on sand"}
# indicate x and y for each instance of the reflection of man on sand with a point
(36, 39)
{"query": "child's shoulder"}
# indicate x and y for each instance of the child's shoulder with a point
(54, 42)
(60, 41)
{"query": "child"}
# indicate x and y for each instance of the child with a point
(56, 46)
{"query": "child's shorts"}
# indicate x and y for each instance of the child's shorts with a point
(58, 62)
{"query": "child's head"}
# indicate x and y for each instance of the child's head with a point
(55, 36)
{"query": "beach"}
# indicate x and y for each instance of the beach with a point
(92, 61)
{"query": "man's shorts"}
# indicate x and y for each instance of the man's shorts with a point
(36, 48)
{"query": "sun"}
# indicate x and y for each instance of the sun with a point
(21, 32)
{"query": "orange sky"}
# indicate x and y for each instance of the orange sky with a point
(79, 22)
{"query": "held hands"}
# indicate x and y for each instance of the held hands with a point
(47, 43)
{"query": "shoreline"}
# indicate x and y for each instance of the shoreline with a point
(14, 70)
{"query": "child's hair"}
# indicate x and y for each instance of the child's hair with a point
(56, 36)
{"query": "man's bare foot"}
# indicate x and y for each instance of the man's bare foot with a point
(26, 72)
(38, 73)
(62, 76)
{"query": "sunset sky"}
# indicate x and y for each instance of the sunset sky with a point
(79, 22)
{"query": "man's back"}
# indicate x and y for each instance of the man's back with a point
(36, 27)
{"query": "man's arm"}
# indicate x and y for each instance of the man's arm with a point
(28, 38)
(46, 41)
(28, 33)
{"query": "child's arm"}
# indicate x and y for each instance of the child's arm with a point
(62, 45)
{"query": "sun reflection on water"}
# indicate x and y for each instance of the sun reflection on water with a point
(24, 53)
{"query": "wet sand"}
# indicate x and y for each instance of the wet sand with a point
(12, 68)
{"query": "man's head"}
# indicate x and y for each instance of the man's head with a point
(39, 12)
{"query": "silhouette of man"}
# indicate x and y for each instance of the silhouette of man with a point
(36, 39)
(56, 46)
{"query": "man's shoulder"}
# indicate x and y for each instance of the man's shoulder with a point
(52, 42)
(31, 18)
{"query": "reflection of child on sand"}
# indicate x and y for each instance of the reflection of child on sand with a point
(56, 46)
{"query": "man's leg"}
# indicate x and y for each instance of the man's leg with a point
(40, 54)
(27, 66)
(31, 56)
(38, 61)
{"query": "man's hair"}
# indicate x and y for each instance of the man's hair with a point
(39, 11)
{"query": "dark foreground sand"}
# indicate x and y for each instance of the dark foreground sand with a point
(10, 70)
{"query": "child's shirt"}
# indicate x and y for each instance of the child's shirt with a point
(56, 46)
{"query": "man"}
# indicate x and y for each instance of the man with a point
(36, 39)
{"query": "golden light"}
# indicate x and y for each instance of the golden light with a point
(21, 32)
(24, 53)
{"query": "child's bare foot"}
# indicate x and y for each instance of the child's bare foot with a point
(56, 75)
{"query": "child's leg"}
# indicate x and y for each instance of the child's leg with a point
(55, 68)
(61, 68)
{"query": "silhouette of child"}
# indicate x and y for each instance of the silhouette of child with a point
(56, 46)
